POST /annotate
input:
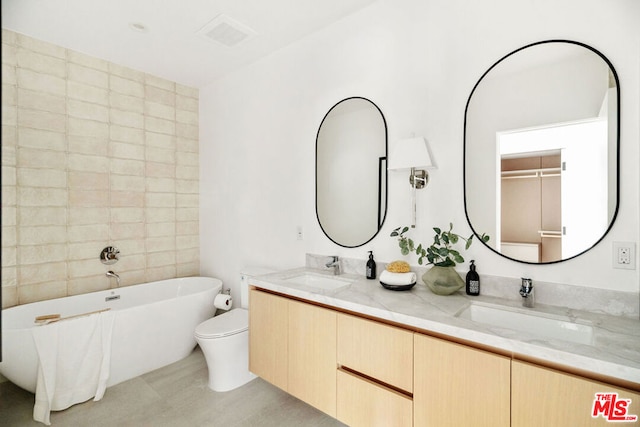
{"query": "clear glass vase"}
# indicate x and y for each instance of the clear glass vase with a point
(443, 280)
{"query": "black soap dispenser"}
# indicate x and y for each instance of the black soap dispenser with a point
(371, 267)
(473, 280)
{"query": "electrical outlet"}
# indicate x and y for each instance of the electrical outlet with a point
(624, 255)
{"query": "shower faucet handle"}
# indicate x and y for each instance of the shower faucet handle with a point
(109, 255)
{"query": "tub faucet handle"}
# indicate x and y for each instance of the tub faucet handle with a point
(109, 255)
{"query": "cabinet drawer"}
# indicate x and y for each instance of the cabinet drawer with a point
(376, 350)
(364, 403)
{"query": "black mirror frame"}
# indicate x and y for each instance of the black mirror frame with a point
(464, 148)
(381, 163)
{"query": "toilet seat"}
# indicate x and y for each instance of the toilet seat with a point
(230, 323)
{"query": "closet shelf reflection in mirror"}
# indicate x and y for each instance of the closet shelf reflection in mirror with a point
(531, 173)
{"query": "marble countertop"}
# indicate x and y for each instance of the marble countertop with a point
(614, 352)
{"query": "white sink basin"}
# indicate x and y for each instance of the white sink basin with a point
(319, 281)
(536, 323)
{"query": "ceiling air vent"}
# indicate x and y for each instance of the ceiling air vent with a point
(226, 31)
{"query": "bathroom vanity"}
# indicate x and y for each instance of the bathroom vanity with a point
(369, 356)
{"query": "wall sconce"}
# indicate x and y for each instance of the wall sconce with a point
(413, 153)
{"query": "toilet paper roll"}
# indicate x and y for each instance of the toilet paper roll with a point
(223, 301)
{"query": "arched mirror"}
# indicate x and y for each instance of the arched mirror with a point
(351, 172)
(541, 152)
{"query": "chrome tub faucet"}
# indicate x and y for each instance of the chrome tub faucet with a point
(526, 291)
(334, 262)
(112, 274)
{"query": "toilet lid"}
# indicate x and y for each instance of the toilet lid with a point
(230, 323)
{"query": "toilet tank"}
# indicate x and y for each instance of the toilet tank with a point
(244, 282)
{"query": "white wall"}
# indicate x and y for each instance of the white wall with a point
(418, 61)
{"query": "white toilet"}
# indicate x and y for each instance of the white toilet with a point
(224, 341)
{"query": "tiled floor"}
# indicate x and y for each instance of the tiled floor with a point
(174, 396)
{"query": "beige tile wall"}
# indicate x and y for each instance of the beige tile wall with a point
(93, 154)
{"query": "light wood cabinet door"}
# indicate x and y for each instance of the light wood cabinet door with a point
(456, 385)
(545, 397)
(364, 403)
(377, 350)
(268, 321)
(312, 355)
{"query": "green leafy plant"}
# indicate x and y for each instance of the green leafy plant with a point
(441, 252)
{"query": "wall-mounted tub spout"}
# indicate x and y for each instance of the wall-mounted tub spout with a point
(112, 274)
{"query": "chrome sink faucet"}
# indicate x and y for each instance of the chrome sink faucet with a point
(334, 263)
(526, 291)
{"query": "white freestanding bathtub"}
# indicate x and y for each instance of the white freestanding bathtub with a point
(154, 326)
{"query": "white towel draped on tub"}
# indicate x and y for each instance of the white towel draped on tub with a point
(74, 357)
